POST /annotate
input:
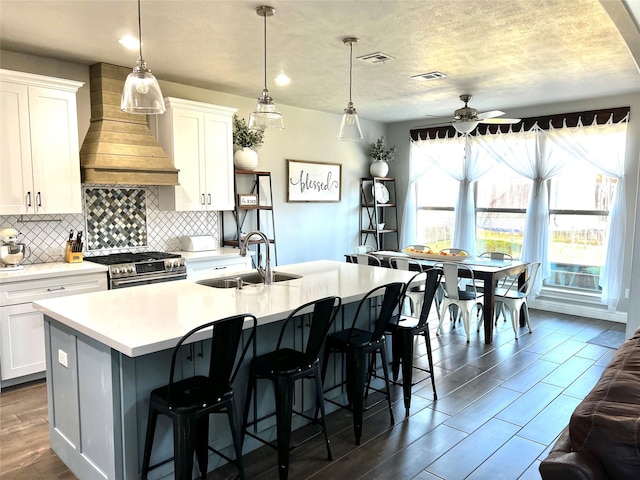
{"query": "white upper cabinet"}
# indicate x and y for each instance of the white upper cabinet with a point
(199, 139)
(39, 157)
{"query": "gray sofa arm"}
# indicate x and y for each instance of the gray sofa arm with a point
(564, 464)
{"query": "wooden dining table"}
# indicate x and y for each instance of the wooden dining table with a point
(484, 269)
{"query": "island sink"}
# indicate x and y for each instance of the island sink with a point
(252, 278)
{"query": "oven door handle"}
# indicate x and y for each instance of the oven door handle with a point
(142, 280)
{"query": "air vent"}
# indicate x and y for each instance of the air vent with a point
(428, 76)
(377, 57)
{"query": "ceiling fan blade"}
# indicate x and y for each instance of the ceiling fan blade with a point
(490, 114)
(433, 125)
(500, 120)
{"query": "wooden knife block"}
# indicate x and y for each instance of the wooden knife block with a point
(70, 256)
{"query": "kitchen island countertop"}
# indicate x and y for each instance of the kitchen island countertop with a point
(151, 318)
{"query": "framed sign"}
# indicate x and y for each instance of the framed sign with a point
(247, 200)
(314, 181)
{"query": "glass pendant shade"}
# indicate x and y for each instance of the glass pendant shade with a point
(350, 126)
(265, 115)
(141, 92)
(465, 127)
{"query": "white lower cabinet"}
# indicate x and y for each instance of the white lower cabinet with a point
(22, 341)
(22, 328)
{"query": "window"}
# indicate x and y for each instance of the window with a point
(501, 204)
(579, 203)
(437, 193)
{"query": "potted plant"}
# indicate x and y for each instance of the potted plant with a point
(246, 142)
(380, 155)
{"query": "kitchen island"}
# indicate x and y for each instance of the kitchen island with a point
(106, 351)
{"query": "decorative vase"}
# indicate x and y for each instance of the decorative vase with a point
(379, 168)
(245, 159)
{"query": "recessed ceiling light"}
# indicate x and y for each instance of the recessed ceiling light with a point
(282, 80)
(376, 57)
(129, 42)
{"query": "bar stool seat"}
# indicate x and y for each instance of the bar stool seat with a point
(283, 367)
(357, 344)
(190, 401)
(404, 330)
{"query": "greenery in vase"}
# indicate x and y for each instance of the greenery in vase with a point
(243, 136)
(379, 151)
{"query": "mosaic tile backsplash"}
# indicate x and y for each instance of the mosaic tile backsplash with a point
(114, 218)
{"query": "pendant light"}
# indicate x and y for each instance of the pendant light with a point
(265, 114)
(350, 126)
(141, 93)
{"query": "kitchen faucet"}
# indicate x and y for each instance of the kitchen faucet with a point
(266, 273)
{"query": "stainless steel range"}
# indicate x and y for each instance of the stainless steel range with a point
(133, 269)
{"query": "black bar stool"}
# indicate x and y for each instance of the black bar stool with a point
(190, 401)
(357, 343)
(283, 367)
(404, 328)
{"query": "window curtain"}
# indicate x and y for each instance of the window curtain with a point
(603, 146)
(424, 154)
(525, 152)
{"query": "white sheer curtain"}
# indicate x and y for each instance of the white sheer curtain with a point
(525, 152)
(603, 146)
(424, 155)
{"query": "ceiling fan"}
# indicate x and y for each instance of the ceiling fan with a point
(466, 119)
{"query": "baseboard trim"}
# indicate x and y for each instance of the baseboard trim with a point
(596, 312)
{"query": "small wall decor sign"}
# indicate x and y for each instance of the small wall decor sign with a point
(247, 200)
(314, 181)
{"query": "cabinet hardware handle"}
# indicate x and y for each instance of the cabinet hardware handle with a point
(28, 199)
(55, 289)
(39, 199)
(203, 199)
(209, 195)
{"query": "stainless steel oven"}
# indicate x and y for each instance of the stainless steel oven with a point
(134, 269)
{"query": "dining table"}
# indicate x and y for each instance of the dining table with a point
(484, 269)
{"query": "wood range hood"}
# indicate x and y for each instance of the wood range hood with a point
(119, 148)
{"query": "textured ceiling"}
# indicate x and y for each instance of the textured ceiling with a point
(507, 53)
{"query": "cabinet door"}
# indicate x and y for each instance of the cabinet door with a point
(186, 149)
(22, 341)
(219, 162)
(204, 268)
(54, 151)
(16, 180)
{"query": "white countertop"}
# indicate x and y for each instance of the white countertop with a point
(145, 319)
(47, 270)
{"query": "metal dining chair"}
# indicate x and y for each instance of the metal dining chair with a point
(404, 330)
(465, 299)
(188, 402)
(514, 298)
(283, 367)
(415, 290)
(368, 259)
(358, 343)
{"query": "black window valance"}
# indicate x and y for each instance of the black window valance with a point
(558, 121)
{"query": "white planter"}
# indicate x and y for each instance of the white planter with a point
(245, 159)
(379, 168)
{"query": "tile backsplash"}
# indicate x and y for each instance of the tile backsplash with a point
(115, 219)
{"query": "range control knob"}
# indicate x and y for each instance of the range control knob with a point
(115, 271)
(130, 269)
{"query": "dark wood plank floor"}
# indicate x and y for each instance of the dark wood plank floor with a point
(500, 407)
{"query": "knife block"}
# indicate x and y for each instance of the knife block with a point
(71, 256)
